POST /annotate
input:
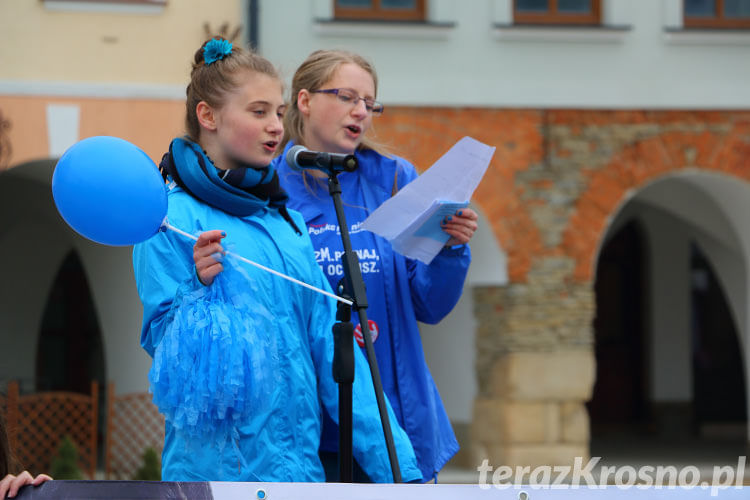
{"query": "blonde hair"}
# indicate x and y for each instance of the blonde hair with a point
(211, 82)
(312, 74)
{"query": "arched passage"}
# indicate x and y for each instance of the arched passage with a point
(620, 397)
(69, 353)
(719, 395)
(35, 241)
(553, 216)
(695, 291)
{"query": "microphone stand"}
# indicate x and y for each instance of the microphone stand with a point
(343, 375)
(355, 286)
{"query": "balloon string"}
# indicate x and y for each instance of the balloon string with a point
(248, 261)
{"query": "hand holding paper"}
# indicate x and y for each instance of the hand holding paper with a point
(461, 226)
(432, 226)
(411, 219)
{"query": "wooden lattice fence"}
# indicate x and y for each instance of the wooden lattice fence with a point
(133, 424)
(38, 422)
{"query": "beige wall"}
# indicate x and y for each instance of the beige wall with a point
(148, 123)
(47, 45)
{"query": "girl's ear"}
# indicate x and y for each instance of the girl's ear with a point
(205, 114)
(303, 101)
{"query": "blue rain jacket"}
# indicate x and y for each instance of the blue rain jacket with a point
(289, 367)
(400, 292)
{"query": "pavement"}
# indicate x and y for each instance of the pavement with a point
(686, 459)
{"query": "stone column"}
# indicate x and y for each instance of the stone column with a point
(536, 369)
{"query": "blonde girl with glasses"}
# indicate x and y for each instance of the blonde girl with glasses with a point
(333, 105)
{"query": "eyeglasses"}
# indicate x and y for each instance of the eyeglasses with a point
(351, 97)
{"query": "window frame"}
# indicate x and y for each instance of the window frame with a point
(553, 17)
(718, 20)
(160, 3)
(107, 6)
(377, 13)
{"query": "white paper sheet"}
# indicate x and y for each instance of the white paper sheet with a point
(454, 177)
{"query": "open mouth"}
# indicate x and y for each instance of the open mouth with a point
(354, 129)
(271, 145)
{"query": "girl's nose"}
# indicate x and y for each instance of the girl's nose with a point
(360, 108)
(276, 126)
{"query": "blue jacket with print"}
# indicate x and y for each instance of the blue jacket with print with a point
(400, 292)
(279, 442)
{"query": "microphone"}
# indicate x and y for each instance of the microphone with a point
(300, 158)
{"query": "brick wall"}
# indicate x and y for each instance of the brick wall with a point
(558, 174)
(556, 179)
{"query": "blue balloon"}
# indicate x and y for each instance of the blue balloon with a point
(109, 191)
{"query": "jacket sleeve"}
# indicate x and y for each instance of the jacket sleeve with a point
(434, 288)
(162, 267)
(368, 441)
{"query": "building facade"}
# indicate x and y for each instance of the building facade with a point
(610, 285)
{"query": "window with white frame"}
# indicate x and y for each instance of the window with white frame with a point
(558, 12)
(380, 10)
(729, 14)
